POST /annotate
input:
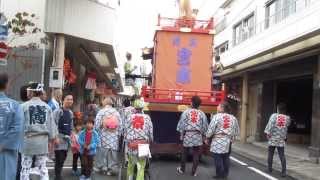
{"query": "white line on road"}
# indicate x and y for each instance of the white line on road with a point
(65, 167)
(262, 173)
(238, 161)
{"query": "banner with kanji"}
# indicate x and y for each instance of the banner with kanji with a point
(183, 61)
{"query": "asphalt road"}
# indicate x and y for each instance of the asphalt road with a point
(164, 168)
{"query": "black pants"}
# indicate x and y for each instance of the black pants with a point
(75, 158)
(222, 163)
(86, 165)
(60, 156)
(196, 150)
(18, 167)
(282, 157)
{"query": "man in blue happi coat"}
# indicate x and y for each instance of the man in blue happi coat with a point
(11, 129)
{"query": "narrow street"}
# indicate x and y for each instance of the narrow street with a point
(165, 169)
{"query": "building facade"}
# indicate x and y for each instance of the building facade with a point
(78, 42)
(270, 50)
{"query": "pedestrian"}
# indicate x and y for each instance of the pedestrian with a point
(109, 125)
(91, 109)
(75, 148)
(138, 131)
(127, 110)
(276, 131)
(63, 118)
(125, 114)
(88, 141)
(222, 130)
(11, 131)
(24, 97)
(55, 101)
(39, 129)
(44, 96)
(192, 127)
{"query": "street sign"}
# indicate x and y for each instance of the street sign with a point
(3, 54)
(3, 32)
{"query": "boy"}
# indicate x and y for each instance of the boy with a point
(88, 141)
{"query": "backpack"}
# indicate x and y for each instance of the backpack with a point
(110, 122)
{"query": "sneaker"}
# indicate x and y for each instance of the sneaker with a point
(95, 169)
(76, 173)
(194, 174)
(179, 170)
(109, 173)
(82, 177)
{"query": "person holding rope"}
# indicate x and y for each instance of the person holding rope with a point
(223, 129)
(192, 126)
(138, 135)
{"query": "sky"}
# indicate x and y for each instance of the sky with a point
(137, 19)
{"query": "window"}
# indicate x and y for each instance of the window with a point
(222, 48)
(244, 30)
(107, 3)
(237, 34)
(277, 10)
(248, 28)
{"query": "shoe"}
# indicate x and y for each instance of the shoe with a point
(76, 173)
(194, 174)
(179, 170)
(95, 169)
(109, 173)
(82, 177)
(283, 175)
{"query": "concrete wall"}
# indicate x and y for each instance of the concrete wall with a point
(11, 7)
(26, 66)
(303, 22)
(81, 18)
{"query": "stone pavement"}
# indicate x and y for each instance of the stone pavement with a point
(298, 165)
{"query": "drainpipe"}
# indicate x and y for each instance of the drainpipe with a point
(244, 109)
(43, 63)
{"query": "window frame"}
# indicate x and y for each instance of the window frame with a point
(240, 24)
(224, 45)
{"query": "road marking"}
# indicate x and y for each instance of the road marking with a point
(67, 167)
(238, 161)
(262, 173)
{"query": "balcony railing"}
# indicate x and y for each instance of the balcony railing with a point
(175, 24)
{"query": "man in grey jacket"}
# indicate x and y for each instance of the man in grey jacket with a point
(11, 130)
(39, 129)
(63, 118)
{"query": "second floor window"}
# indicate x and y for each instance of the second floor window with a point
(222, 48)
(277, 10)
(244, 29)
